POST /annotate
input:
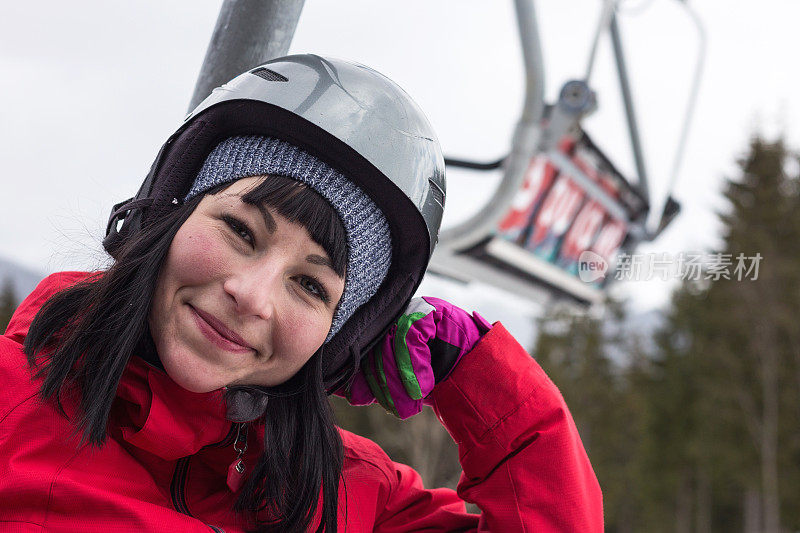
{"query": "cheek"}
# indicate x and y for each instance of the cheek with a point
(304, 333)
(195, 257)
(295, 340)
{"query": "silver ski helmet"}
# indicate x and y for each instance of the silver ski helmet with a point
(352, 118)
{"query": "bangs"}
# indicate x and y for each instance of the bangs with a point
(302, 205)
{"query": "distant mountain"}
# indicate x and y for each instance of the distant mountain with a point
(22, 278)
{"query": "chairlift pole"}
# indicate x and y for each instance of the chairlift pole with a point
(525, 141)
(606, 13)
(695, 90)
(630, 112)
(248, 33)
(671, 207)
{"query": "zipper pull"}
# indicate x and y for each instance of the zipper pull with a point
(237, 469)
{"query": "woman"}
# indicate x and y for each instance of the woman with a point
(268, 259)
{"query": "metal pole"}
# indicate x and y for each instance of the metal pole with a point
(248, 33)
(525, 141)
(533, 108)
(695, 90)
(606, 13)
(630, 112)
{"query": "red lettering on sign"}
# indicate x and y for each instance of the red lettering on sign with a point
(557, 212)
(610, 239)
(583, 231)
(538, 177)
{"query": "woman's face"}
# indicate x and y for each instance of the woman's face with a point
(245, 297)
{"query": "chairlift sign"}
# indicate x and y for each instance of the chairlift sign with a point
(553, 219)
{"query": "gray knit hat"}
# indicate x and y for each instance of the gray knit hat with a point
(369, 245)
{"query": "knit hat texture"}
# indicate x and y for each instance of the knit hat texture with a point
(369, 245)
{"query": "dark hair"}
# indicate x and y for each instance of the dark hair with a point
(84, 336)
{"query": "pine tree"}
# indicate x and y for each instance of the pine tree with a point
(680, 450)
(732, 347)
(758, 339)
(8, 303)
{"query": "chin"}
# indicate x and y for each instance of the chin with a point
(199, 386)
(190, 374)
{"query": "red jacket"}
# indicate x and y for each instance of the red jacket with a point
(164, 466)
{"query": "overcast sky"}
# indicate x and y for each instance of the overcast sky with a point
(91, 89)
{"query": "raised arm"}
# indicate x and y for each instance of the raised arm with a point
(523, 462)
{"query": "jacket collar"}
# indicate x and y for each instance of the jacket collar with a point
(156, 414)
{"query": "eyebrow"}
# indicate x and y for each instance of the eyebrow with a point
(268, 220)
(317, 259)
(272, 226)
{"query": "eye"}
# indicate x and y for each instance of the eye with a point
(239, 228)
(314, 287)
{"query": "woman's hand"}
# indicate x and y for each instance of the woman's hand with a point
(420, 350)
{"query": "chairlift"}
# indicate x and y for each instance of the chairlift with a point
(560, 196)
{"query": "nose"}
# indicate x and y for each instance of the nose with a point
(254, 291)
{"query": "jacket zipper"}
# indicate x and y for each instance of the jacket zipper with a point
(178, 484)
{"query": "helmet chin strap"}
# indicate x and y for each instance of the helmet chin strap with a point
(249, 402)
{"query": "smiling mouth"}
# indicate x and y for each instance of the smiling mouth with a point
(218, 334)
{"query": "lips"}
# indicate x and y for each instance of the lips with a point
(218, 333)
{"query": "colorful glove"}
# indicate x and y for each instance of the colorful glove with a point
(420, 350)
